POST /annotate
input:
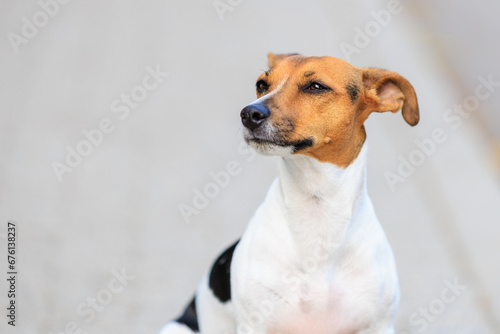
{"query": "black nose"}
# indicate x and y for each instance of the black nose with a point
(254, 115)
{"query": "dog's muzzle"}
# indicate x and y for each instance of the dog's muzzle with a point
(253, 115)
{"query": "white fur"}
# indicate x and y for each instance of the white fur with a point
(213, 316)
(314, 258)
(271, 149)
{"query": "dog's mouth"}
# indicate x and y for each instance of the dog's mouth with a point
(277, 146)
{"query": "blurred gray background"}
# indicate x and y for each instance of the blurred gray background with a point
(119, 209)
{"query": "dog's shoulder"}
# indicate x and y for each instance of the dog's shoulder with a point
(220, 275)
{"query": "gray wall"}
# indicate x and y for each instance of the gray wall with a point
(120, 206)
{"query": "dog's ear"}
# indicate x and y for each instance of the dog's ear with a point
(274, 59)
(389, 91)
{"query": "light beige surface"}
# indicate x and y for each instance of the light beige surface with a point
(120, 207)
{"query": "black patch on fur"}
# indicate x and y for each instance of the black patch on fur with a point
(302, 144)
(353, 91)
(190, 318)
(220, 276)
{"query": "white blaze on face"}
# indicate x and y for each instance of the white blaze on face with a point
(269, 130)
(265, 97)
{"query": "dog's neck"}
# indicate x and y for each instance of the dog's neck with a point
(304, 178)
(320, 199)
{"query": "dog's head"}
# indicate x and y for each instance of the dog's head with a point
(317, 106)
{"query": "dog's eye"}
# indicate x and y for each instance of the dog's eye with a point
(262, 86)
(316, 86)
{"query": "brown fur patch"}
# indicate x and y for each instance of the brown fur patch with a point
(333, 118)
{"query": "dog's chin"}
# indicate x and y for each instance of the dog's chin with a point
(266, 147)
(274, 143)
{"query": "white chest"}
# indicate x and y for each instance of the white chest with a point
(309, 301)
(314, 258)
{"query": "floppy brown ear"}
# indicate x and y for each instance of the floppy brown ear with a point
(275, 59)
(389, 91)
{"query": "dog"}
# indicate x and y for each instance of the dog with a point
(314, 257)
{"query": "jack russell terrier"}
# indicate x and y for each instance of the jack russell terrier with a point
(314, 258)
